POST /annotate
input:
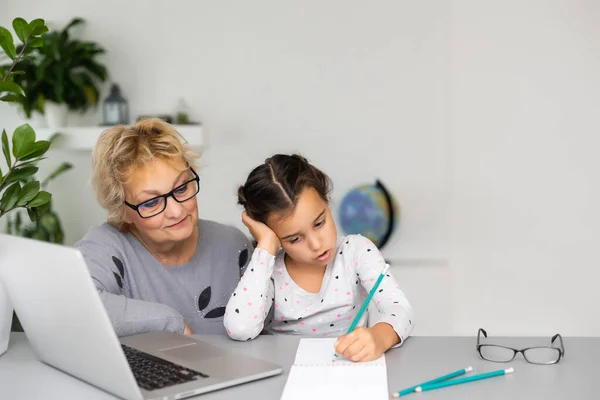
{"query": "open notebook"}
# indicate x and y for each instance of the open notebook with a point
(315, 376)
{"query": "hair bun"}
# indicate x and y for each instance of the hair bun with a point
(241, 196)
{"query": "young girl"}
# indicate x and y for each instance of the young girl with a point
(302, 279)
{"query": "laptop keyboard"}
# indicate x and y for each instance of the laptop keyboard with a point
(153, 373)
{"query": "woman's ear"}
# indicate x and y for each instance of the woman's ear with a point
(127, 215)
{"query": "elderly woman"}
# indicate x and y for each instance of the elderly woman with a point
(155, 264)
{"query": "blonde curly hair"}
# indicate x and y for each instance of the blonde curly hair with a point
(122, 149)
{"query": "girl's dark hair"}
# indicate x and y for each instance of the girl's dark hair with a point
(275, 186)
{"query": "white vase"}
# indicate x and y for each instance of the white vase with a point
(56, 115)
(6, 314)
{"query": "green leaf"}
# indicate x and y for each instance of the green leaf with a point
(22, 29)
(44, 208)
(18, 223)
(7, 43)
(23, 140)
(5, 148)
(30, 162)
(13, 98)
(0, 174)
(38, 149)
(28, 192)
(10, 197)
(8, 86)
(40, 199)
(35, 42)
(9, 225)
(57, 171)
(33, 214)
(49, 222)
(74, 22)
(38, 27)
(20, 174)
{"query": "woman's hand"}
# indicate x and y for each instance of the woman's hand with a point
(266, 238)
(367, 344)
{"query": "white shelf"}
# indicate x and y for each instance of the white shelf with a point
(85, 137)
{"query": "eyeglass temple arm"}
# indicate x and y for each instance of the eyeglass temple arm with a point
(562, 346)
(481, 330)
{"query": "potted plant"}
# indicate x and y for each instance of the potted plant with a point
(22, 152)
(62, 75)
(46, 226)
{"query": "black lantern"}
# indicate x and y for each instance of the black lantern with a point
(115, 107)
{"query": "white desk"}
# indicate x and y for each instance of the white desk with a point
(418, 360)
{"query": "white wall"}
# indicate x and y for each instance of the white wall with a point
(475, 114)
(525, 173)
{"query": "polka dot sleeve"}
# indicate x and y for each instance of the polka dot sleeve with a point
(251, 301)
(391, 302)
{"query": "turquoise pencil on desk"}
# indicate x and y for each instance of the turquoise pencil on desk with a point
(452, 382)
(365, 304)
(436, 380)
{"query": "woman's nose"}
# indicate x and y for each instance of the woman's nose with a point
(174, 209)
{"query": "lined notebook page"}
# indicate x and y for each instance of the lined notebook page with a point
(315, 375)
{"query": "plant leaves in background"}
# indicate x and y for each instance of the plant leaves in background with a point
(40, 199)
(28, 193)
(20, 174)
(22, 29)
(13, 98)
(38, 27)
(204, 298)
(35, 43)
(9, 86)
(10, 197)
(5, 148)
(38, 149)
(22, 140)
(7, 43)
(49, 222)
(57, 171)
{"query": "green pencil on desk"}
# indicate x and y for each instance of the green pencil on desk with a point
(365, 304)
(452, 382)
(436, 380)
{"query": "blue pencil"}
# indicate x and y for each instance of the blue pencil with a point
(436, 380)
(365, 304)
(464, 380)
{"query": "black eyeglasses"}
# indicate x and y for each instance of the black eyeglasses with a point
(156, 205)
(544, 355)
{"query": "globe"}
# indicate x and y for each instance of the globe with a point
(371, 211)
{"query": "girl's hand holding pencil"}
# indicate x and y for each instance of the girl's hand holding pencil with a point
(366, 344)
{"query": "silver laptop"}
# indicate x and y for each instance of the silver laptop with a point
(68, 328)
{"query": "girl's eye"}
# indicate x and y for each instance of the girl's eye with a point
(320, 223)
(294, 240)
